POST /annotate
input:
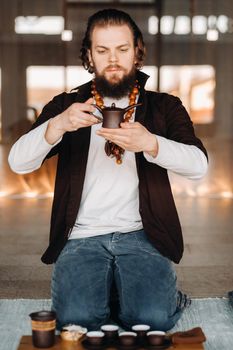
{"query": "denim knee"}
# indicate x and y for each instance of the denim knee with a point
(157, 320)
(86, 319)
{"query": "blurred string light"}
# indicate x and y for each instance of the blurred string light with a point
(153, 25)
(223, 24)
(212, 32)
(48, 25)
(201, 25)
(67, 35)
(167, 25)
(182, 25)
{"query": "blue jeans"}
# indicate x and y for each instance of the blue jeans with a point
(145, 282)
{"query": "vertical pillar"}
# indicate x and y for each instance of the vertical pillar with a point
(13, 95)
(224, 88)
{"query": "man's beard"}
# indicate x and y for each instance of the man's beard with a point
(118, 89)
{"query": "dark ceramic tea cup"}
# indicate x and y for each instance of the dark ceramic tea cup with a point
(110, 331)
(156, 337)
(141, 330)
(43, 328)
(95, 337)
(127, 338)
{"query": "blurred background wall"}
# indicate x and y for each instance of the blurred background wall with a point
(189, 54)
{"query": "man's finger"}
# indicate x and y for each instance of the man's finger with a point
(85, 107)
(129, 125)
(90, 118)
(107, 131)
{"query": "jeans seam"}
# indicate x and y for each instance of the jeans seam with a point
(140, 244)
(119, 289)
(107, 289)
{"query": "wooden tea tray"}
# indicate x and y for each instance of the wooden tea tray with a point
(26, 344)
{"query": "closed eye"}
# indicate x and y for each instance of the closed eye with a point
(101, 51)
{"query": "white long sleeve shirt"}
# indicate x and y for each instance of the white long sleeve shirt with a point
(110, 200)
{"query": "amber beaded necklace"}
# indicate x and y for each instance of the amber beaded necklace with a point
(111, 149)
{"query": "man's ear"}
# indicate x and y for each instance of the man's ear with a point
(90, 57)
(136, 55)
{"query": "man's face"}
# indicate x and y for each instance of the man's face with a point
(112, 52)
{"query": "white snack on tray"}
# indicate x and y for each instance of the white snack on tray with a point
(73, 332)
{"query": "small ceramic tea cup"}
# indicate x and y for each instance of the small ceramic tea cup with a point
(95, 337)
(127, 338)
(156, 337)
(110, 331)
(141, 329)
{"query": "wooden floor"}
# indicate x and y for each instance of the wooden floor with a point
(206, 268)
(205, 209)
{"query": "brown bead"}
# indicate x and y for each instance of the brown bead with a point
(107, 148)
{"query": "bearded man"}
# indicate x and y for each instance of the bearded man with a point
(114, 220)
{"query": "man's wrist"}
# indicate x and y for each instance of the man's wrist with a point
(54, 130)
(153, 147)
(56, 124)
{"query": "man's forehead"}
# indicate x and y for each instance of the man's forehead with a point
(111, 33)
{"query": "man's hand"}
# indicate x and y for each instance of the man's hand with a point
(73, 118)
(132, 137)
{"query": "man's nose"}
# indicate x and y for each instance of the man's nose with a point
(113, 56)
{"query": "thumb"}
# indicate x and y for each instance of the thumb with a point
(90, 100)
